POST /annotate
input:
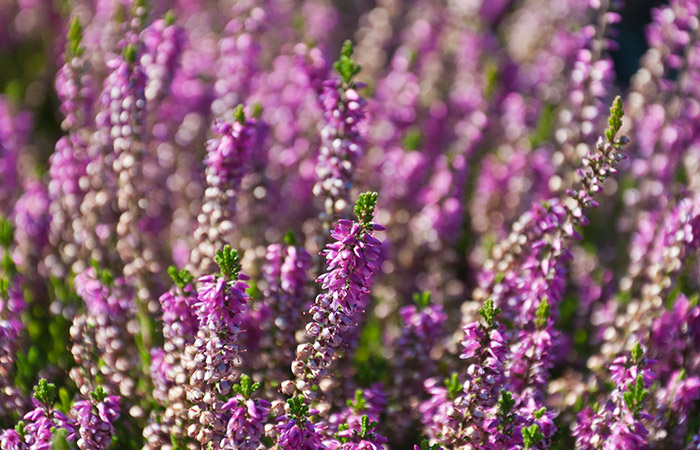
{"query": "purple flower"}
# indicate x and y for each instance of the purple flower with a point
(226, 163)
(618, 424)
(164, 43)
(486, 350)
(214, 354)
(248, 416)
(96, 418)
(351, 260)
(342, 141)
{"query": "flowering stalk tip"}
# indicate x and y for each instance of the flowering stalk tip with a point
(6, 233)
(239, 114)
(489, 312)
(75, 37)
(422, 299)
(615, 119)
(364, 208)
(229, 262)
(531, 436)
(45, 392)
(345, 66)
(246, 387)
(182, 279)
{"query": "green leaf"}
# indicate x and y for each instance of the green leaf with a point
(229, 262)
(238, 114)
(181, 278)
(298, 408)
(531, 436)
(60, 440)
(489, 313)
(364, 208)
(637, 353)
(425, 445)
(99, 394)
(422, 299)
(45, 392)
(75, 37)
(290, 238)
(345, 66)
(454, 387)
(246, 387)
(543, 313)
(360, 403)
(615, 119)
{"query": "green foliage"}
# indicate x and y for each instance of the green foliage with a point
(181, 278)
(545, 123)
(637, 353)
(360, 403)
(290, 238)
(105, 275)
(539, 413)
(369, 360)
(239, 114)
(489, 313)
(425, 445)
(60, 440)
(169, 17)
(45, 392)
(413, 139)
(99, 394)
(20, 428)
(257, 110)
(130, 53)
(615, 119)
(364, 208)
(454, 387)
(229, 262)
(75, 37)
(505, 410)
(366, 427)
(531, 436)
(635, 395)
(543, 313)
(298, 408)
(421, 299)
(7, 264)
(246, 387)
(345, 66)
(7, 232)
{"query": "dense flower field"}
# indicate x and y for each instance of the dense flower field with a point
(347, 225)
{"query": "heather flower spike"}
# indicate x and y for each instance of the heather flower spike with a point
(188, 125)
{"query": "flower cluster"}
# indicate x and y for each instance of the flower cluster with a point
(351, 259)
(341, 137)
(521, 264)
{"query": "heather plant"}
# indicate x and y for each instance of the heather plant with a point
(349, 225)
